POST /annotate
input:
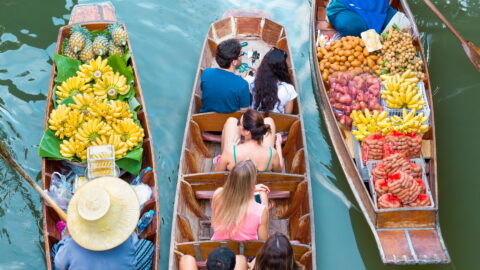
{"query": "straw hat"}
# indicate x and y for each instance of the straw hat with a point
(103, 213)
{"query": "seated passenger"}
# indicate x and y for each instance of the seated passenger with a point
(272, 88)
(219, 259)
(222, 90)
(101, 222)
(257, 144)
(276, 253)
(351, 17)
(235, 213)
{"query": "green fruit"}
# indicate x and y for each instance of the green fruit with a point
(87, 53)
(100, 45)
(112, 49)
(119, 35)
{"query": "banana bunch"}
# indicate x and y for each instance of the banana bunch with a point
(402, 91)
(366, 123)
(408, 123)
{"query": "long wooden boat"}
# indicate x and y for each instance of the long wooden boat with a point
(404, 235)
(97, 17)
(291, 191)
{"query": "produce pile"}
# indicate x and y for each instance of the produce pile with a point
(367, 123)
(398, 182)
(346, 54)
(353, 90)
(398, 53)
(401, 91)
(94, 104)
(376, 146)
(85, 45)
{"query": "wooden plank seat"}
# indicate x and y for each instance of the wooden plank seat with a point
(208, 195)
(215, 121)
(201, 249)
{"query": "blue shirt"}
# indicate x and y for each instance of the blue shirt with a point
(223, 91)
(71, 256)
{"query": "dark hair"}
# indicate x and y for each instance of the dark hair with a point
(253, 122)
(276, 254)
(227, 51)
(221, 259)
(272, 69)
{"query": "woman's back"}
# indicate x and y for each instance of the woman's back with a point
(247, 227)
(261, 155)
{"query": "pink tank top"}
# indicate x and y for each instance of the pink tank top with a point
(248, 227)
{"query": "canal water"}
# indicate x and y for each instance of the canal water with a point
(166, 37)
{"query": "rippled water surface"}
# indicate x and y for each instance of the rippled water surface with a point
(166, 37)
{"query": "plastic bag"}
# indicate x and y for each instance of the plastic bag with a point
(372, 147)
(144, 193)
(60, 190)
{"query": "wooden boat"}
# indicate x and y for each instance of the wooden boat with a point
(291, 191)
(98, 17)
(403, 235)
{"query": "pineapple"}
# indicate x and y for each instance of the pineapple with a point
(119, 35)
(112, 49)
(79, 35)
(87, 53)
(100, 45)
(68, 52)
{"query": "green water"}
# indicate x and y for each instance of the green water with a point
(166, 38)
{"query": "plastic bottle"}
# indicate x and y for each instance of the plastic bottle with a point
(145, 221)
(137, 180)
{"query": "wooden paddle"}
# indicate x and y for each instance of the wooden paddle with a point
(472, 51)
(5, 155)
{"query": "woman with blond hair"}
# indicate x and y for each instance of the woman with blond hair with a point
(235, 213)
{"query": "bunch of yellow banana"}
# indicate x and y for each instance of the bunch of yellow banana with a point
(401, 91)
(408, 123)
(366, 123)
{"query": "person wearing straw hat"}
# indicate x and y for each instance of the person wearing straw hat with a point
(101, 219)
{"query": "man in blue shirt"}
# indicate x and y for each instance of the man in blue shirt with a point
(222, 90)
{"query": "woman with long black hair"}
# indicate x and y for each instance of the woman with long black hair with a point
(272, 89)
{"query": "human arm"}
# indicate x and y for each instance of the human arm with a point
(223, 162)
(263, 228)
(278, 162)
(289, 107)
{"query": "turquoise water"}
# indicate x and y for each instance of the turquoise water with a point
(166, 37)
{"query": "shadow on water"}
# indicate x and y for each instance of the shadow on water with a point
(166, 39)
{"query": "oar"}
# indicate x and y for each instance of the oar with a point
(472, 51)
(5, 155)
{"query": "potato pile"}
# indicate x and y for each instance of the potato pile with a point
(398, 54)
(346, 54)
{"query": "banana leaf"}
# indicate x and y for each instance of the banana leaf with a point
(119, 65)
(66, 67)
(50, 146)
(132, 162)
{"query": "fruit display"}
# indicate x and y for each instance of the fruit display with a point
(421, 201)
(401, 91)
(408, 123)
(372, 147)
(85, 45)
(90, 112)
(367, 123)
(387, 200)
(353, 90)
(345, 54)
(403, 186)
(410, 145)
(399, 54)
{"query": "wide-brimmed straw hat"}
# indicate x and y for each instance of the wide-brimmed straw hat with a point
(103, 213)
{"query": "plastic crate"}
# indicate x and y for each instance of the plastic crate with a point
(399, 112)
(357, 155)
(371, 164)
